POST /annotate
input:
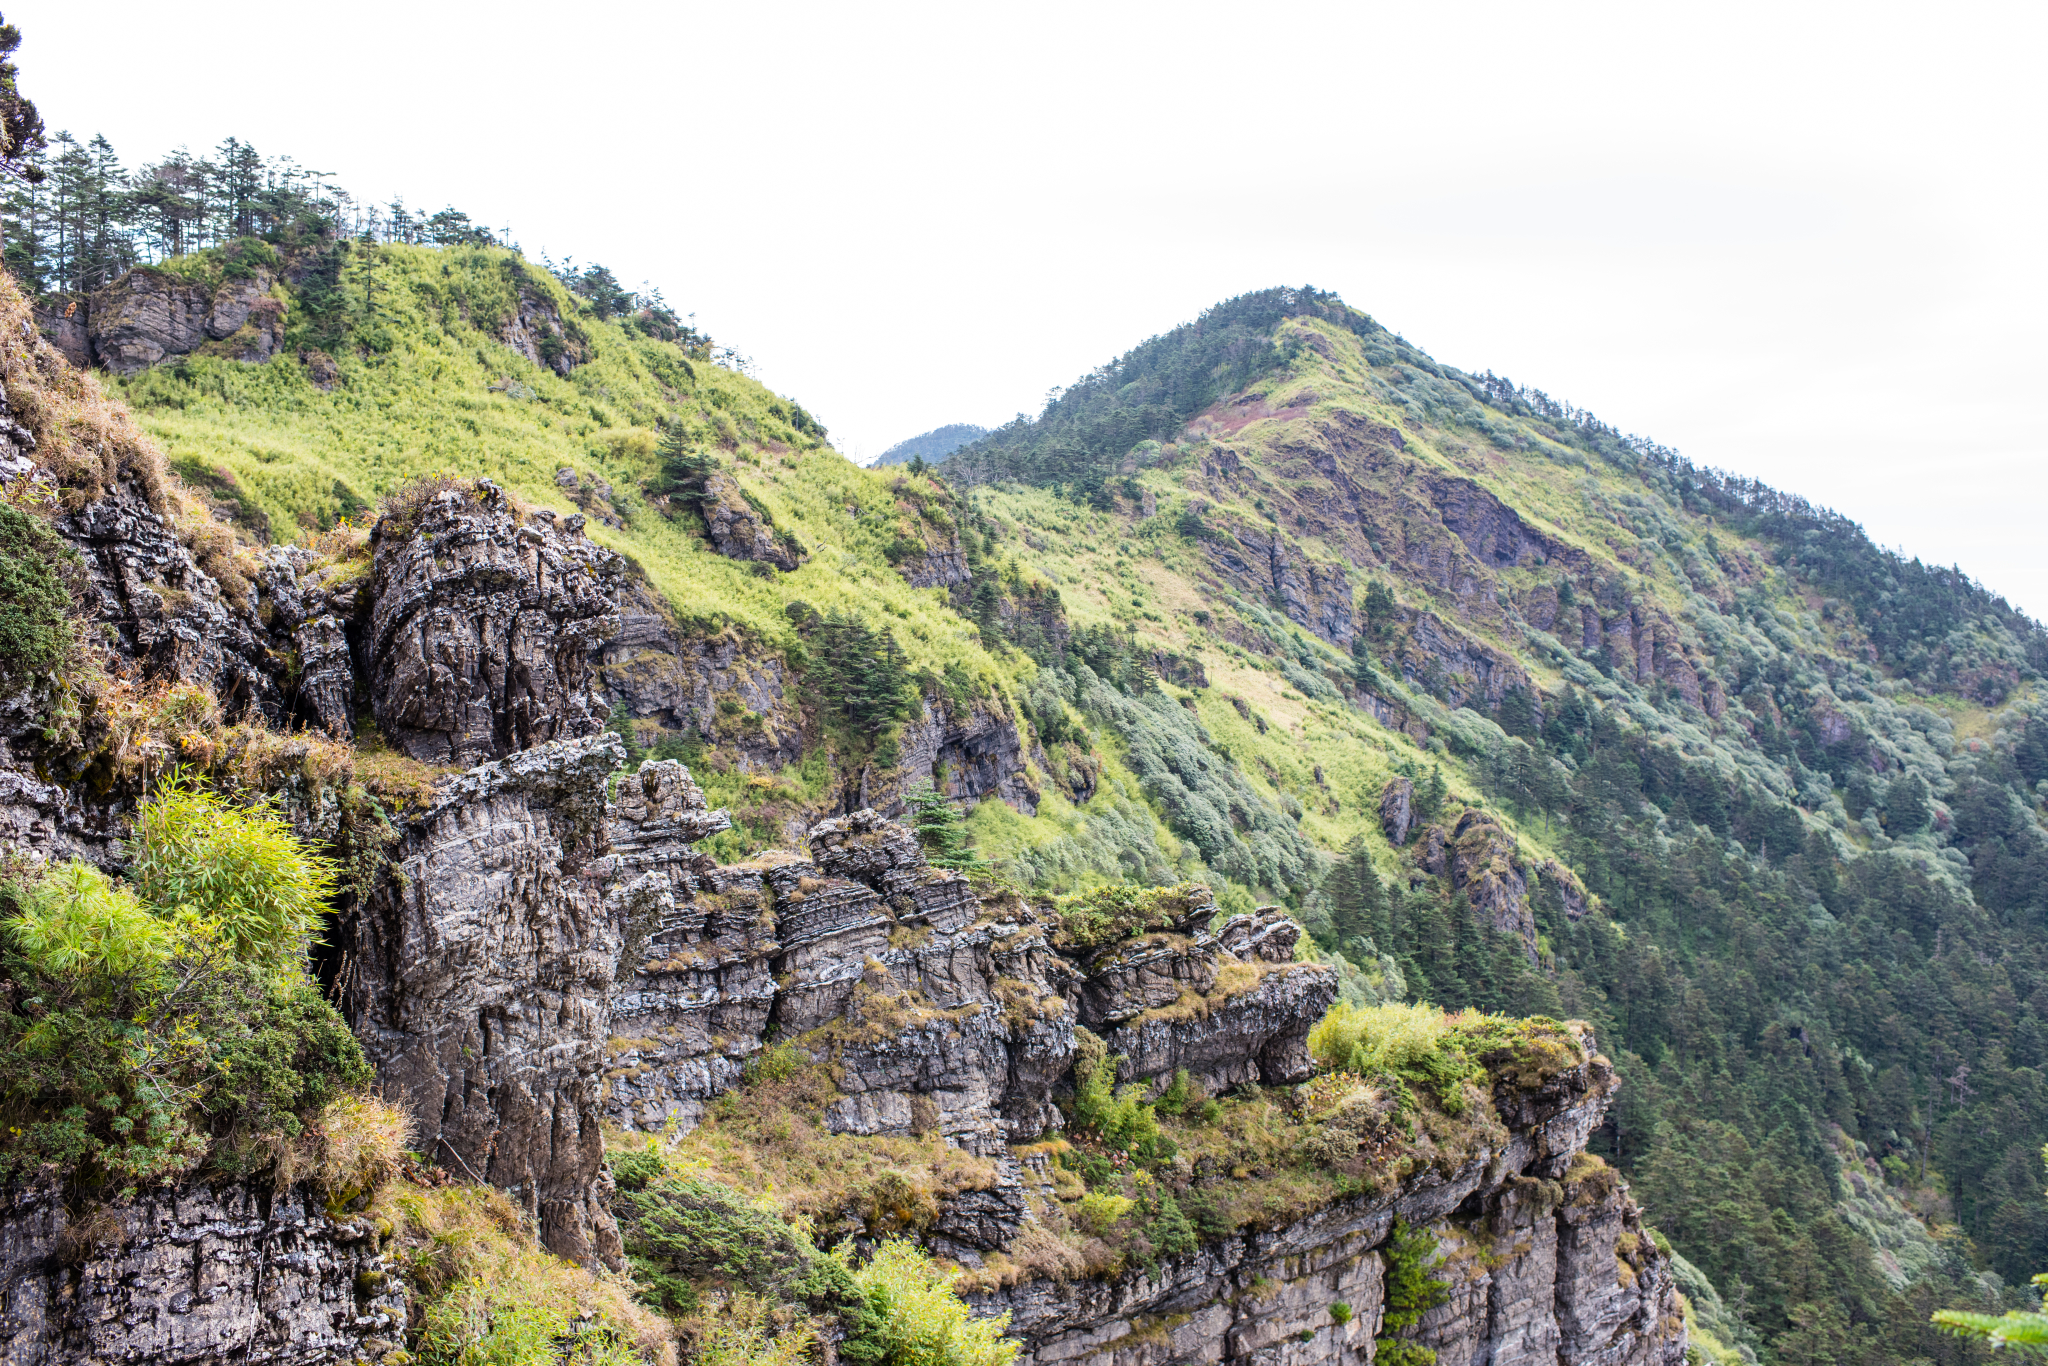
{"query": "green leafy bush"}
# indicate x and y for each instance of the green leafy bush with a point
(912, 1317)
(238, 868)
(1119, 911)
(1402, 1043)
(135, 1041)
(688, 1230)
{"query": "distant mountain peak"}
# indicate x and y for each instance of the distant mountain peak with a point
(934, 445)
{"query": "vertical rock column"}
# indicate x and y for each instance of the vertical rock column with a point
(480, 979)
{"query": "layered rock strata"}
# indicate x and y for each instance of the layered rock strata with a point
(197, 1275)
(480, 976)
(1545, 1254)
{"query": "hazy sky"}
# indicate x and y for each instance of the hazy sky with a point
(1803, 242)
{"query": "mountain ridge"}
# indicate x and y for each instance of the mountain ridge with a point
(1510, 711)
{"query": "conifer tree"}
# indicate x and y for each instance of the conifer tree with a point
(941, 829)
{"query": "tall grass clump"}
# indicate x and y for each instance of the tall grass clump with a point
(1400, 1043)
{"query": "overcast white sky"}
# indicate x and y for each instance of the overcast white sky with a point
(1800, 241)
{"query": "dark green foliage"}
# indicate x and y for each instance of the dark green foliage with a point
(1429, 795)
(857, 676)
(684, 468)
(1411, 1292)
(634, 1170)
(36, 633)
(1907, 805)
(1169, 1229)
(1357, 904)
(119, 1069)
(941, 829)
(1382, 613)
(1146, 393)
(685, 1230)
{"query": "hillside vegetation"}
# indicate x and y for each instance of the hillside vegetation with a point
(1515, 713)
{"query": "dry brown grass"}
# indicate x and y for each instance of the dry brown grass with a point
(362, 1142)
(87, 440)
(470, 1257)
(769, 1139)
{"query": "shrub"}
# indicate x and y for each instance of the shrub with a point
(1400, 1042)
(35, 626)
(489, 1296)
(239, 868)
(138, 1040)
(696, 1230)
(1112, 914)
(635, 1169)
(1099, 1211)
(1340, 1313)
(1411, 1292)
(912, 1317)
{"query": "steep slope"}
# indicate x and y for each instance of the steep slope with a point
(840, 1042)
(1605, 735)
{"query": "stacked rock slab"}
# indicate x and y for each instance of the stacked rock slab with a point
(1534, 1236)
(938, 1012)
(481, 979)
(196, 1275)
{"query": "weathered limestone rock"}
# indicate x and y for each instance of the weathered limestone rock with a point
(146, 317)
(1482, 865)
(727, 689)
(968, 755)
(482, 629)
(481, 981)
(1537, 1235)
(739, 531)
(196, 1276)
(1397, 810)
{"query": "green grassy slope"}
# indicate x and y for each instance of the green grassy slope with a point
(1810, 828)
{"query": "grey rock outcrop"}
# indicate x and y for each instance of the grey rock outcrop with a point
(727, 689)
(481, 979)
(1536, 1236)
(197, 1276)
(739, 530)
(482, 629)
(969, 754)
(146, 317)
(938, 1012)
(1397, 810)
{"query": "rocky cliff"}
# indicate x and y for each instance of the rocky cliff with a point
(1545, 1254)
(532, 951)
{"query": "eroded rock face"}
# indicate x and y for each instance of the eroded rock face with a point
(482, 982)
(1536, 1238)
(198, 1275)
(727, 689)
(1397, 810)
(145, 317)
(738, 530)
(938, 1012)
(969, 755)
(483, 627)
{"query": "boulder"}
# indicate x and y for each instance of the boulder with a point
(483, 626)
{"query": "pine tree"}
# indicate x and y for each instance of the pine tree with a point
(1429, 797)
(1357, 903)
(1411, 1292)
(941, 830)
